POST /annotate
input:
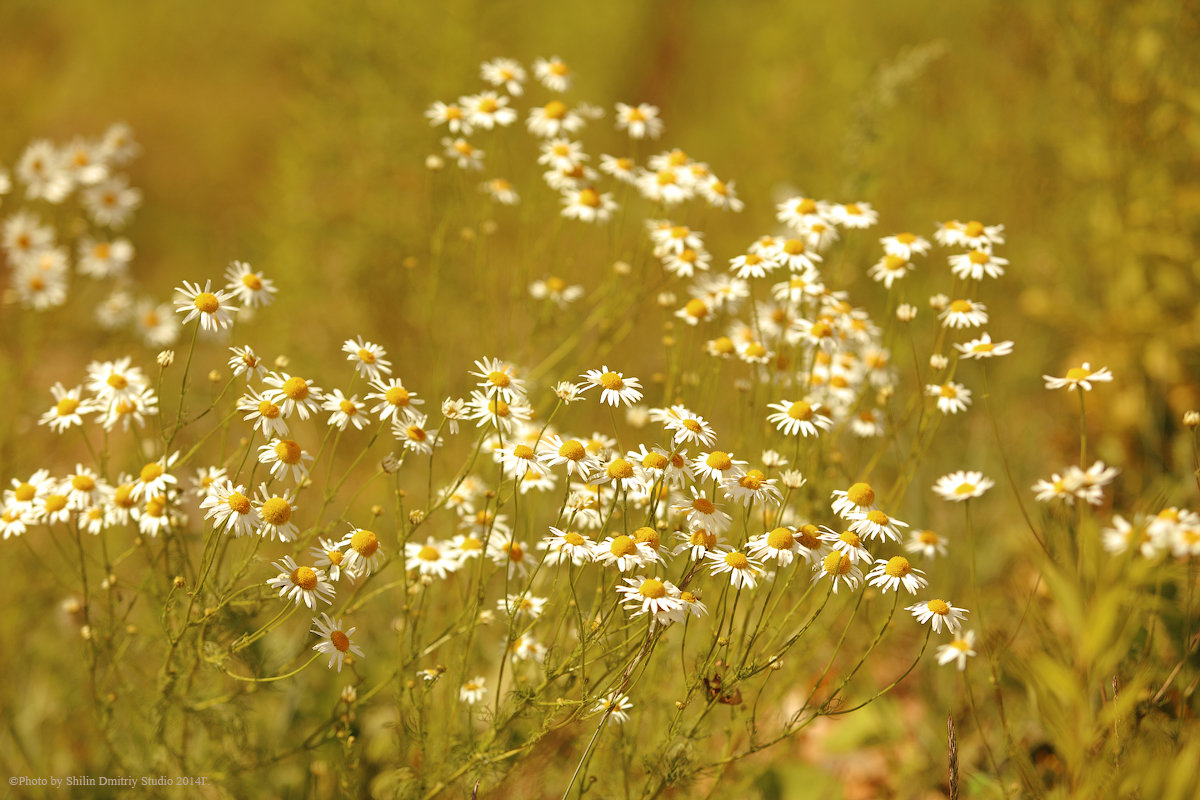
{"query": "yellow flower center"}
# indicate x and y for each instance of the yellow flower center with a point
(555, 109)
(752, 480)
(821, 330)
(928, 537)
(893, 263)
(611, 380)
(365, 543)
(571, 449)
(574, 539)
(1078, 374)
(780, 539)
(275, 511)
(348, 408)
(335, 557)
(268, 409)
(416, 433)
(305, 578)
(853, 208)
(55, 502)
(800, 410)
(123, 498)
(978, 257)
(498, 408)
(755, 350)
(737, 560)
(117, 381)
(647, 535)
(973, 228)
(939, 607)
(897, 567)
(83, 483)
(252, 281)
(288, 452)
(696, 308)
(515, 552)
(397, 396)
(794, 247)
(964, 488)
(619, 469)
(622, 546)
(238, 503)
(702, 538)
(523, 451)
(861, 494)
(719, 460)
(905, 238)
(807, 536)
(947, 390)
(703, 505)
(806, 206)
(151, 472)
(429, 553)
(499, 379)
(207, 302)
(960, 306)
(589, 197)
(851, 538)
(156, 506)
(836, 563)
(878, 517)
(470, 543)
(555, 285)
(295, 388)
(66, 407)
(653, 589)
(722, 345)
(366, 356)
(339, 640)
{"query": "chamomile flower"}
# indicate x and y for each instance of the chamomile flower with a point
(889, 269)
(688, 428)
(412, 434)
(926, 542)
(641, 121)
(1079, 378)
(328, 555)
(433, 558)
(752, 265)
(983, 347)
(552, 120)
(717, 466)
(743, 571)
(555, 290)
(244, 361)
(275, 513)
(958, 650)
(613, 705)
(567, 546)
(555, 451)
(344, 410)
(153, 516)
(517, 459)
(877, 525)
(104, 259)
(854, 502)
(395, 401)
(962, 485)
(553, 73)
(154, 477)
(473, 690)
(652, 596)
(974, 235)
(465, 154)
(363, 553)
(132, 409)
(720, 194)
(504, 72)
(615, 387)
(853, 215)
(622, 168)
(1124, 535)
(939, 613)
(620, 473)
(848, 543)
(951, 397)
(964, 314)
(293, 394)
(43, 171)
(248, 285)
(454, 410)
(905, 245)
(625, 553)
(449, 114)
(499, 378)
(336, 640)
(84, 488)
(501, 190)
(892, 573)
(486, 110)
(286, 458)
(752, 486)
(229, 508)
(214, 308)
(1055, 488)
(511, 554)
(588, 205)
(668, 185)
(1088, 485)
(975, 264)
(300, 583)
(68, 409)
(778, 545)
(369, 359)
(800, 417)
(703, 513)
(263, 413)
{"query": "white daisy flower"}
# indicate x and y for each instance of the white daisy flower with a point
(962, 485)
(958, 650)
(615, 387)
(939, 613)
(301, 584)
(891, 573)
(336, 640)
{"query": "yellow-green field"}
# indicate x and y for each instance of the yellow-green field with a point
(145, 640)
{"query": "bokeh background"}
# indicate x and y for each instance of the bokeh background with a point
(291, 135)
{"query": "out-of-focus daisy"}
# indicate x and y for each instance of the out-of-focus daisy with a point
(854, 215)
(984, 347)
(248, 285)
(501, 190)
(42, 170)
(300, 583)
(743, 571)
(431, 558)
(622, 168)
(889, 269)
(153, 516)
(962, 485)
(926, 542)
(155, 478)
(449, 114)
(473, 690)
(976, 264)
(974, 235)
(588, 205)
(614, 705)
(487, 110)
(720, 194)
(556, 290)
(951, 397)
(615, 387)
(110, 204)
(964, 314)
(244, 361)
(668, 185)
(336, 640)
(104, 259)
(653, 596)
(504, 72)
(958, 650)
(553, 72)
(328, 555)
(553, 119)
(892, 573)
(905, 245)
(465, 154)
(641, 120)
(214, 309)
(1079, 377)
(939, 613)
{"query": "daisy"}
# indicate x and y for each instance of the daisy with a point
(413, 435)
(553, 73)
(621, 474)
(938, 613)
(344, 410)
(667, 185)
(328, 555)
(464, 153)
(742, 570)
(840, 569)
(1079, 377)
(720, 194)
(104, 259)
(118, 144)
(500, 379)
(23, 493)
(94, 519)
(68, 408)
(213, 308)
(41, 283)
(43, 170)
(613, 705)
(504, 72)
(263, 413)
(777, 545)
(964, 314)
(703, 513)
(243, 361)
(974, 235)
(563, 546)
(855, 502)
(640, 120)
(926, 542)
(556, 290)
(335, 642)
(751, 265)
(84, 488)
(562, 153)
(154, 479)
(960, 649)
(522, 605)
(622, 168)
(686, 262)
(1089, 484)
(889, 269)
(588, 205)
(658, 598)
(450, 115)
(363, 553)
(625, 553)
(431, 558)
(517, 459)
(801, 214)
(552, 120)
(473, 690)
(801, 417)
(153, 516)
(526, 648)
(717, 466)
(848, 543)
(752, 487)
(1054, 489)
(301, 584)
(905, 245)
(555, 451)
(395, 402)
(983, 347)
(487, 110)
(688, 428)
(275, 515)
(250, 288)
(501, 191)
(616, 388)
(1125, 535)
(453, 410)
(891, 573)
(54, 507)
(369, 359)
(509, 553)
(293, 394)
(286, 459)
(951, 397)
(962, 485)
(977, 263)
